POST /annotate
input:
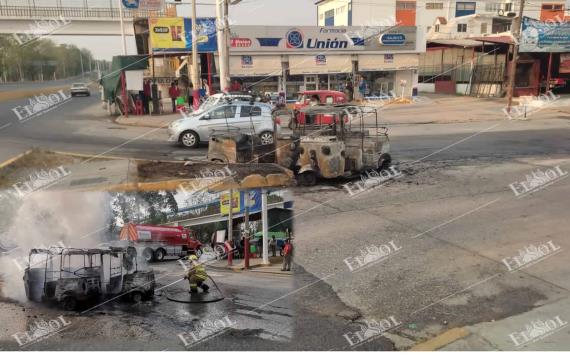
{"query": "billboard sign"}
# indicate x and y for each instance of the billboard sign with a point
(240, 199)
(550, 36)
(283, 39)
(174, 34)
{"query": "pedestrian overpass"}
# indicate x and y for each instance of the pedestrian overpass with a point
(82, 19)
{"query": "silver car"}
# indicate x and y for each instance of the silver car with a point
(80, 89)
(237, 116)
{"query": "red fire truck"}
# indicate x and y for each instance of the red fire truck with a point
(157, 242)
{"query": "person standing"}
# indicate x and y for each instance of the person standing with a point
(173, 92)
(287, 255)
(273, 246)
(146, 96)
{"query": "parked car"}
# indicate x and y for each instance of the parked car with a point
(157, 242)
(222, 98)
(79, 89)
(316, 97)
(245, 117)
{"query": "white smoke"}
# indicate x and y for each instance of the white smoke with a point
(49, 218)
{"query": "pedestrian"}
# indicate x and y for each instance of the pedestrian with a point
(236, 86)
(273, 246)
(196, 275)
(190, 95)
(174, 92)
(287, 255)
(350, 90)
(146, 96)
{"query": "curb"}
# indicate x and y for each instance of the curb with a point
(441, 340)
(163, 125)
(14, 159)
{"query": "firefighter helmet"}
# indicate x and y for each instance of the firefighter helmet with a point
(193, 258)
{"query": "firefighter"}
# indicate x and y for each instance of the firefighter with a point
(197, 276)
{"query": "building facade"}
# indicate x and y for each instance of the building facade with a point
(425, 13)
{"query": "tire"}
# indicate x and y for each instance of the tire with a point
(136, 296)
(307, 179)
(159, 254)
(198, 252)
(266, 138)
(220, 252)
(69, 303)
(148, 255)
(384, 162)
(189, 139)
(72, 95)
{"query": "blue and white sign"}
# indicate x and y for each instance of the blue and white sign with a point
(547, 36)
(131, 4)
(393, 39)
(321, 60)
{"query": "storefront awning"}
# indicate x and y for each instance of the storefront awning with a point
(320, 64)
(255, 66)
(381, 62)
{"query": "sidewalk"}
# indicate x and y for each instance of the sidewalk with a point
(156, 121)
(255, 265)
(541, 329)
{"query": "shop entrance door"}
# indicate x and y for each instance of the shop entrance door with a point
(311, 82)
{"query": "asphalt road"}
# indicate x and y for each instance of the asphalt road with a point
(81, 125)
(255, 317)
(449, 221)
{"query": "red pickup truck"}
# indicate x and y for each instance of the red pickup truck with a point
(317, 97)
(157, 242)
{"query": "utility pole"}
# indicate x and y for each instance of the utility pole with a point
(227, 41)
(513, 67)
(230, 217)
(124, 40)
(81, 61)
(195, 74)
(222, 44)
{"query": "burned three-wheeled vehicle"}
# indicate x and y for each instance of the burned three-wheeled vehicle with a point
(70, 276)
(334, 141)
(345, 141)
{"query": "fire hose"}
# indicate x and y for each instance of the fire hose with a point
(190, 301)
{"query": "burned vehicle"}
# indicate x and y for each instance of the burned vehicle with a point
(348, 142)
(244, 145)
(351, 142)
(72, 276)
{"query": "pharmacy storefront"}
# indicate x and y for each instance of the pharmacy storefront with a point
(293, 59)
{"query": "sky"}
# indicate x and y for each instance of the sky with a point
(248, 12)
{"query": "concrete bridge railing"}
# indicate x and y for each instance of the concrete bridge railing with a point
(85, 13)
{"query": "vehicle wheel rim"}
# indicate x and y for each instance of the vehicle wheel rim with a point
(147, 256)
(160, 255)
(198, 253)
(188, 139)
(266, 138)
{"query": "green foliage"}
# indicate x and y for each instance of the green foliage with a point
(142, 208)
(40, 59)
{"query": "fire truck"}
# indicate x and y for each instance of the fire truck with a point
(157, 242)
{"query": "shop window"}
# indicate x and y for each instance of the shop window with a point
(461, 27)
(464, 8)
(329, 18)
(434, 5)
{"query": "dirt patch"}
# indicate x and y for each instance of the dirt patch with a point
(31, 162)
(153, 171)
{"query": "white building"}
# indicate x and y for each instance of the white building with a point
(424, 13)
